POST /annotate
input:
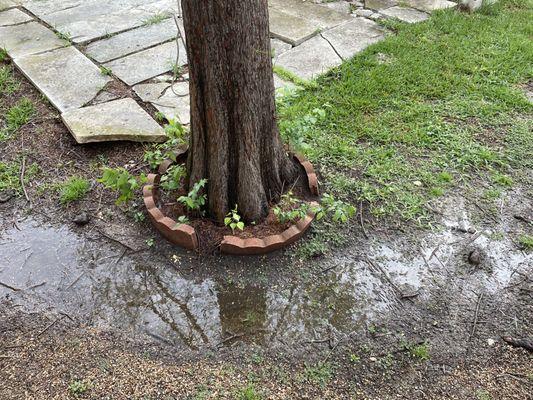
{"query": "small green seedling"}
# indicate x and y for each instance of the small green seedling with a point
(233, 220)
(73, 189)
(120, 180)
(172, 178)
(194, 201)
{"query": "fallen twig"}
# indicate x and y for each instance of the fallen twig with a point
(10, 287)
(50, 325)
(523, 343)
(22, 172)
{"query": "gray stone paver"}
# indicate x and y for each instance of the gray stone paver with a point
(148, 63)
(405, 14)
(380, 4)
(429, 5)
(291, 29)
(173, 101)
(310, 59)
(132, 41)
(29, 38)
(116, 120)
(279, 47)
(65, 76)
(322, 17)
(354, 36)
(4, 4)
(13, 17)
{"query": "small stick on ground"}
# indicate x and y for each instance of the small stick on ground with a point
(22, 172)
(9, 287)
(386, 276)
(361, 219)
(523, 343)
(50, 325)
(474, 324)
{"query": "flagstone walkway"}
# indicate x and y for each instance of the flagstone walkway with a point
(75, 51)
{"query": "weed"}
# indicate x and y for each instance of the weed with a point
(171, 180)
(483, 395)
(10, 175)
(287, 75)
(120, 180)
(420, 351)
(194, 201)
(105, 71)
(77, 387)
(155, 19)
(8, 83)
(319, 373)
(248, 393)
(337, 209)
(526, 242)
(73, 189)
(3, 54)
(150, 242)
(298, 131)
(17, 116)
(290, 209)
(354, 358)
(233, 220)
(66, 36)
(182, 219)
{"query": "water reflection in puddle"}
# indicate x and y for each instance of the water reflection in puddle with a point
(43, 267)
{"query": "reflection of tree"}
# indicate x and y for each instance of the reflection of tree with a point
(185, 310)
(243, 311)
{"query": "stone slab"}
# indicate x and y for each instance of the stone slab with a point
(291, 29)
(132, 41)
(173, 102)
(97, 19)
(409, 15)
(278, 47)
(5, 4)
(341, 6)
(380, 4)
(429, 5)
(148, 63)
(116, 120)
(30, 38)
(321, 17)
(65, 76)
(310, 59)
(354, 36)
(13, 17)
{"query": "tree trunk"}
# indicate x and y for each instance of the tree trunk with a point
(235, 143)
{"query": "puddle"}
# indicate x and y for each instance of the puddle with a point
(101, 285)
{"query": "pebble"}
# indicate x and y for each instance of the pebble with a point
(81, 219)
(363, 13)
(474, 257)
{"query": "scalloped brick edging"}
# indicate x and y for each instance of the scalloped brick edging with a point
(185, 235)
(254, 246)
(181, 234)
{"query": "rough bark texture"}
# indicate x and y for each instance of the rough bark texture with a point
(235, 141)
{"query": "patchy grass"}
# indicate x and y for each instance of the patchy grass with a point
(16, 117)
(447, 110)
(526, 242)
(8, 83)
(73, 189)
(155, 19)
(10, 173)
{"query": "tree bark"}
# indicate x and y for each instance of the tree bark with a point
(235, 142)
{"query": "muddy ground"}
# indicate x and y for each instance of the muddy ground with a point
(99, 312)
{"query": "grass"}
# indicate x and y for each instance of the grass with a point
(73, 189)
(155, 19)
(10, 176)
(446, 110)
(8, 82)
(526, 242)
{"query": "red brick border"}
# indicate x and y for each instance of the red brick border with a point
(185, 235)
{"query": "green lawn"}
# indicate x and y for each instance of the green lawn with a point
(435, 105)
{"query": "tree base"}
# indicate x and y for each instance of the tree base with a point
(205, 236)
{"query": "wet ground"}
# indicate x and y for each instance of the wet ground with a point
(188, 301)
